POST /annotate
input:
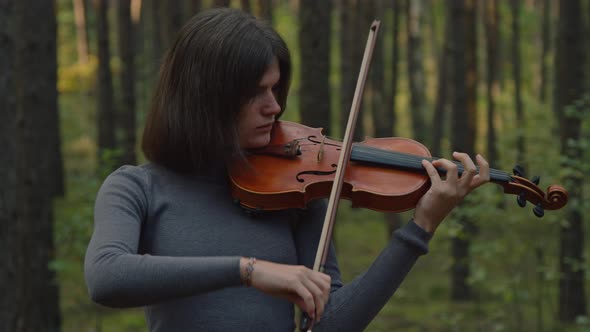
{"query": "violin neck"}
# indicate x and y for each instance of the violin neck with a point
(399, 160)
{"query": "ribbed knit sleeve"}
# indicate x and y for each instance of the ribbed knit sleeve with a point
(117, 275)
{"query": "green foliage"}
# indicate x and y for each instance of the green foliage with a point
(78, 77)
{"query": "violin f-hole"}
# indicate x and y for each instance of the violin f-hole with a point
(299, 175)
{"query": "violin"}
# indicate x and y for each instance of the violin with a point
(383, 174)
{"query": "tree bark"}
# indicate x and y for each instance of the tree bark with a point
(381, 112)
(265, 10)
(170, 12)
(37, 305)
(546, 47)
(516, 70)
(393, 220)
(106, 107)
(492, 85)
(245, 5)
(195, 6)
(8, 181)
(391, 95)
(314, 41)
(354, 30)
(570, 61)
(347, 65)
(463, 128)
(127, 75)
(220, 3)
(443, 91)
(81, 34)
(156, 34)
(415, 69)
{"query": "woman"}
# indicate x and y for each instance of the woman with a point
(168, 237)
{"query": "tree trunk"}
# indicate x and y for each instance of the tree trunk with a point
(463, 128)
(347, 65)
(393, 220)
(170, 20)
(570, 61)
(81, 35)
(195, 6)
(381, 112)
(157, 43)
(516, 70)
(492, 61)
(8, 181)
(106, 108)
(360, 25)
(546, 41)
(415, 69)
(127, 54)
(443, 90)
(314, 41)
(220, 3)
(265, 10)
(37, 305)
(245, 5)
(391, 95)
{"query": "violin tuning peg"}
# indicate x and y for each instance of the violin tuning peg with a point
(536, 179)
(521, 199)
(538, 210)
(518, 170)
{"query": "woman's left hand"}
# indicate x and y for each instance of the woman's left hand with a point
(444, 195)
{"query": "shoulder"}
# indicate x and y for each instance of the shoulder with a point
(129, 175)
(128, 181)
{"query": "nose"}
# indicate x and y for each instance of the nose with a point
(271, 105)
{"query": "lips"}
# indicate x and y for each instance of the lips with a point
(266, 126)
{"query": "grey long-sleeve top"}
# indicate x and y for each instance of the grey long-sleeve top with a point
(171, 243)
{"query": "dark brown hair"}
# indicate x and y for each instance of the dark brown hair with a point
(212, 69)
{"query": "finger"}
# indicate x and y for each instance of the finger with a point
(431, 171)
(450, 167)
(307, 298)
(484, 171)
(318, 296)
(323, 282)
(469, 169)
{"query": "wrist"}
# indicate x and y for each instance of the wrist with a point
(247, 270)
(425, 225)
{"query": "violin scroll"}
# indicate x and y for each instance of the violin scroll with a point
(528, 191)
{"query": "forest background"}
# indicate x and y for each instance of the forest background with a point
(506, 78)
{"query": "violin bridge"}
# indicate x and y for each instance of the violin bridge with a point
(321, 150)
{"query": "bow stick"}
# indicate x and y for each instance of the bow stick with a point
(324, 243)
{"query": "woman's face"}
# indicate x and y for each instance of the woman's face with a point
(256, 118)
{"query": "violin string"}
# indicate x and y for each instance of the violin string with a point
(415, 162)
(412, 161)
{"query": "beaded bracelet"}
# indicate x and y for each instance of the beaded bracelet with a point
(247, 277)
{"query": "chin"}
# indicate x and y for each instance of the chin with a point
(257, 143)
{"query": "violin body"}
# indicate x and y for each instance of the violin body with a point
(383, 174)
(271, 182)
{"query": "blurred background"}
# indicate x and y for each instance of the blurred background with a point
(509, 79)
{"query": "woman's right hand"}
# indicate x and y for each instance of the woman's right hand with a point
(308, 289)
